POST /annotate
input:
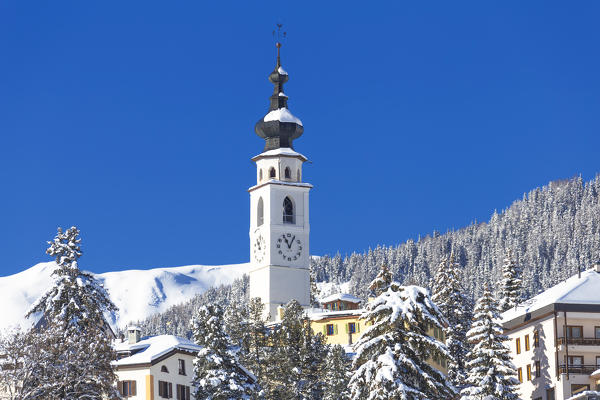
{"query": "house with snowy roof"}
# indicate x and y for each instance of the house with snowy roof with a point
(157, 367)
(555, 339)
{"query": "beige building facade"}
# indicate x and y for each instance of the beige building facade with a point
(555, 339)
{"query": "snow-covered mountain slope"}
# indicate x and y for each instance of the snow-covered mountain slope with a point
(137, 293)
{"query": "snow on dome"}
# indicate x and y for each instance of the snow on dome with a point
(281, 94)
(147, 350)
(342, 297)
(574, 290)
(282, 115)
(281, 151)
(281, 71)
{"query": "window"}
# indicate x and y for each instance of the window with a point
(127, 388)
(550, 394)
(183, 392)
(164, 369)
(575, 360)
(538, 369)
(597, 332)
(518, 344)
(288, 211)
(578, 388)
(330, 329)
(165, 389)
(260, 174)
(520, 374)
(288, 173)
(351, 327)
(528, 372)
(181, 367)
(526, 342)
(536, 338)
(260, 212)
(575, 332)
(271, 172)
(598, 361)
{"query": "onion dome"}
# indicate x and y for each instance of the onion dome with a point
(279, 127)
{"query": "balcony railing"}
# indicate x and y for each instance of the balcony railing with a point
(579, 369)
(580, 341)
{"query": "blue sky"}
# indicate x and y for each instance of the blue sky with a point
(134, 120)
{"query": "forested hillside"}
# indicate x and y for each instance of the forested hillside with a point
(552, 231)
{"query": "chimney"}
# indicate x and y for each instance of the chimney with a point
(134, 334)
(597, 267)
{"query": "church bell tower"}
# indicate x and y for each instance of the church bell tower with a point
(279, 225)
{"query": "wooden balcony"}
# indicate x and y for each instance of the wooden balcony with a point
(579, 369)
(580, 341)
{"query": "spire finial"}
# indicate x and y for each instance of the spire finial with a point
(279, 39)
(279, 127)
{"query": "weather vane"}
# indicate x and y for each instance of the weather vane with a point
(279, 35)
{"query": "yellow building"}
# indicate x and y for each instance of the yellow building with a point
(340, 324)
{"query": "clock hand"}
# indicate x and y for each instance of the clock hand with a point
(286, 241)
(291, 242)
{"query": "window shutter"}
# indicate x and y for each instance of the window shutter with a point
(325, 329)
(170, 390)
(134, 390)
(347, 327)
(357, 327)
(120, 387)
(160, 388)
(187, 393)
(335, 331)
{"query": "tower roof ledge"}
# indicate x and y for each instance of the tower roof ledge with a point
(280, 152)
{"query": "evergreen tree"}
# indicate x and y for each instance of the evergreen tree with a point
(236, 326)
(336, 374)
(257, 343)
(490, 370)
(511, 284)
(77, 352)
(283, 369)
(217, 372)
(448, 295)
(391, 355)
(382, 281)
(312, 363)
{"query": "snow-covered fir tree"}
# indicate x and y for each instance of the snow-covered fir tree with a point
(77, 351)
(449, 295)
(382, 281)
(336, 374)
(218, 375)
(312, 364)
(236, 321)
(491, 374)
(391, 356)
(257, 339)
(511, 283)
(293, 368)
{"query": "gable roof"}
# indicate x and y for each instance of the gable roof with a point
(152, 349)
(574, 294)
(340, 296)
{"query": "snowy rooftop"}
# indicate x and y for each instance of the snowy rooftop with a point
(281, 71)
(282, 115)
(340, 296)
(282, 151)
(147, 350)
(316, 315)
(573, 291)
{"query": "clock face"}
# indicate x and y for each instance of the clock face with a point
(288, 247)
(259, 248)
